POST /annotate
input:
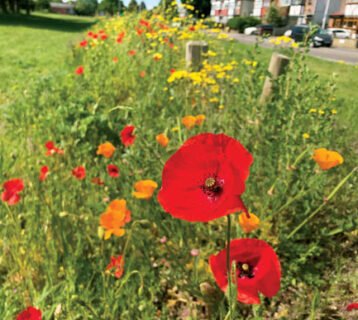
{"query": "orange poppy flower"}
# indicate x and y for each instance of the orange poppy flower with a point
(144, 189)
(249, 222)
(106, 149)
(188, 121)
(162, 139)
(327, 159)
(115, 218)
(199, 119)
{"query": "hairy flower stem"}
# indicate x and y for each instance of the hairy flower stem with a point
(331, 195)
(228, 266)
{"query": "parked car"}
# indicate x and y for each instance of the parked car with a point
(250, 31)
(317, 37)
(264, 29)
(340, 33)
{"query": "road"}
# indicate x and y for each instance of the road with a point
(349, 56)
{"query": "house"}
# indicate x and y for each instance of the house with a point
(346, 16)
(222, 11)
(62, 8)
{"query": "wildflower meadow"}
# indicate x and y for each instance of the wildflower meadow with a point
(136, 186)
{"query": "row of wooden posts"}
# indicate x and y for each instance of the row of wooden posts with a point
(195, 55)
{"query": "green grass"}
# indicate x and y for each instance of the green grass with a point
(35, 45)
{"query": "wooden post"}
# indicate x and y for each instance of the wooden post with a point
(194, 54)
(278, 66)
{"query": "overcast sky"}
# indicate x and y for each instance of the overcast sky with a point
(150, 3)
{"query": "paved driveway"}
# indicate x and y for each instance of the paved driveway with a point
(332, 54)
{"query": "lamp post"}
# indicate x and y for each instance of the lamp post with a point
(328, 2)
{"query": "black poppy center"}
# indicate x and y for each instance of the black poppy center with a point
(212, 187)
(245, 270)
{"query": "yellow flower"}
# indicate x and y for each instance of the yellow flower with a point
(162, 139)
(305, 136)
(214, 100)
(294, 45)
(157, 56)
(221, 107)
(321, 112)
(327, 159)
(188, 121)
(211, 53)
(334, 111)
(249, 222)
(312, 111)
(106, 149)
(144, 189)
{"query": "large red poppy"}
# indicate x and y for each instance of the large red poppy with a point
(30, 313)
(127, 136)
(204, 179)
(257, 269)
(12, 188)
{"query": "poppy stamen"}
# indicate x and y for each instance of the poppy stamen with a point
(210, 182)
(245, 270)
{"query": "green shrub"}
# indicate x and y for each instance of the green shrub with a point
(240, 23)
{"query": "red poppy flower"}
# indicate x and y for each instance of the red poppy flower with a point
(142, 74)
(115, 59)
(113, 171)
(43, 173)
(192, 28)
(83, 43)
(98, 181)
(79, 172)
(131, 53)
(352, 306)
(30, 313)
(117, 263)
(127, 136)
(79, 70)
(104, 37)
(120, 37)
(12, 188)
(205, 178)
(257, 269)
(172, 70)
(90, 34)
(95, 36)
(52, 149)
(144, 23)
(139, 31)
(171, 45)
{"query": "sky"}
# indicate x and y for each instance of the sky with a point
(150, 3)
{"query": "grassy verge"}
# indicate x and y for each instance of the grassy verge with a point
(35, 45)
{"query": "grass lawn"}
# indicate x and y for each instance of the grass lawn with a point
(35, 45)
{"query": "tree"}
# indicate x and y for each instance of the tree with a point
(273, 16)
(142, 6)
(111, 6)
(86, 7)
(202, 7)
(133, 6)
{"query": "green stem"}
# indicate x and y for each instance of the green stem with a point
(331, 195)
(228, 265)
